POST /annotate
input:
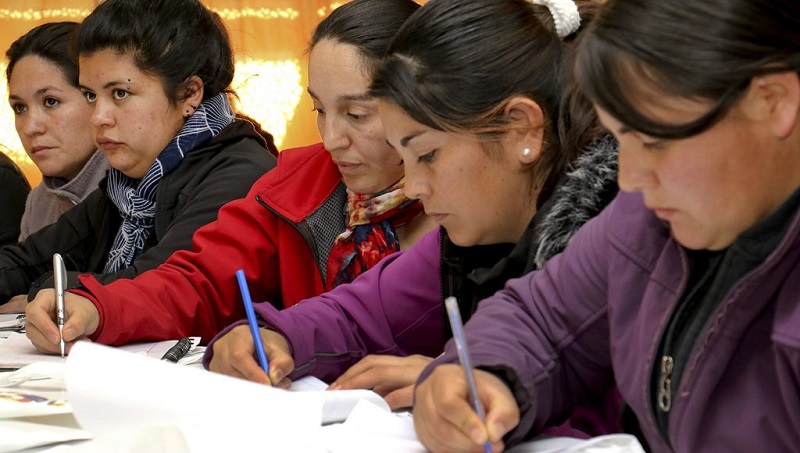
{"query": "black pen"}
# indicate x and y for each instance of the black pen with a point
(180, 349)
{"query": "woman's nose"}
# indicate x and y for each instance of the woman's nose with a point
(334, 134)
(101, 115)
(636, 172)
(415, 186)
(33, 123)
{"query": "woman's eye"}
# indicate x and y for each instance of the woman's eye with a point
(357, 116)
(319, 110)
(18, 108)
(90, 97)
(427, 158)
(51, 102)
(119, 94)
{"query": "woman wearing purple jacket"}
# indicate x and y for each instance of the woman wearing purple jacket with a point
(685, 289)
(489, 166)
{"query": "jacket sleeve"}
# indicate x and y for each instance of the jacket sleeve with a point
(13, 192)
(546, 334)
(394, 308)
(71, 235)
(194, 292)
(231, 177)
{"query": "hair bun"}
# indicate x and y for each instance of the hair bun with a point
(565, 15)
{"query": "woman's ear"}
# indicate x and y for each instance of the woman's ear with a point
(192, 96)
(779, 93)
(527, 129)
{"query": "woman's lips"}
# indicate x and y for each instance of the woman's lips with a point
(347, 167)
(40, 149)
(106, 144)
(664, 213)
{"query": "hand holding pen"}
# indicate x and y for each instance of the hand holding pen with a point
(81, 319)
(449, 403)
(234, 355)
(236, 352)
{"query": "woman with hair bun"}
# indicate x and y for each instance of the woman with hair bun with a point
(158, 110)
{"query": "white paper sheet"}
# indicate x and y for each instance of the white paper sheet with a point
(337, 403)
(368, 426)
(17, 351)
(612, 443)
(150, 439)
(111, 389)
(17, 435)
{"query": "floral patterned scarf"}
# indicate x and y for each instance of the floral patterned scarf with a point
(370, 233)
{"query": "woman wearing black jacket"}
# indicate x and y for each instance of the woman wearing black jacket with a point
(14, 189)
(162, 118)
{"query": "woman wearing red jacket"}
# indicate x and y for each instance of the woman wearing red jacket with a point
(325, 214)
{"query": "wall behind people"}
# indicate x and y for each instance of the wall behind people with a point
(269, 37)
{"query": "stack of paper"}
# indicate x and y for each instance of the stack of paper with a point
(114, 394)
(129, 402)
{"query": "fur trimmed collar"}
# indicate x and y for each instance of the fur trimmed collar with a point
(582, 194)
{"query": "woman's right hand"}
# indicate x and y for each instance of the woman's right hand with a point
(82, 319)
(445, 419)
(234, 355)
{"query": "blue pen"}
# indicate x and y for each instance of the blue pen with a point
(251, 319)
(463, 356)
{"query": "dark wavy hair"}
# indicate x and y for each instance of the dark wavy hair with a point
(709, 50)
(455, 64)
(48, 41)
(367, 25)
(171, 39)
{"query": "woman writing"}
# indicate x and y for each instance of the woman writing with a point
(324, 215)
(483, 150)
(684, 290)
(160, 114)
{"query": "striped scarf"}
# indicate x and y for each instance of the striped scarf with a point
(136, 199)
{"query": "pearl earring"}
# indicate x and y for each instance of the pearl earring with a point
(526, 152)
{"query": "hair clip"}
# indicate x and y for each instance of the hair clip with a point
(565, 15)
